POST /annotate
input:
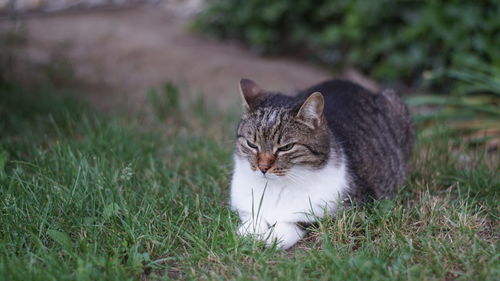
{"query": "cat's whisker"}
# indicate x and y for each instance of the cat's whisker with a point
(294, 179)
(297, 176)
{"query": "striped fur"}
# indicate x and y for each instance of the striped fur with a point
(362, 139)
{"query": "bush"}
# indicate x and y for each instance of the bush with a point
(389, 40)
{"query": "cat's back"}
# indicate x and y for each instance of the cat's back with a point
(375, 132)
(348, 104)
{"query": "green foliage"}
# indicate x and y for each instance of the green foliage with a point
(165, 103)
(388, 39)
(472, 113)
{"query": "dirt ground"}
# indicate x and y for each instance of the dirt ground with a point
(121, 54)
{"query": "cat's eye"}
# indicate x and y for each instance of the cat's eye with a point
(286, 147)
(251, 145)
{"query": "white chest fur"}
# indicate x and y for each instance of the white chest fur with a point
(303, 195)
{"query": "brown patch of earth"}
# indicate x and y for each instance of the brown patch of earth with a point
(121, 54)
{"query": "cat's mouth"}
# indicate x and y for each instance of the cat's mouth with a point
(272, 173)
(280, 172)
(269, 176)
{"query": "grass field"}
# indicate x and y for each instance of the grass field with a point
(87, 196)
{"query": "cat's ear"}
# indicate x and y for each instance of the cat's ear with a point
(311, 111)
(252, 94)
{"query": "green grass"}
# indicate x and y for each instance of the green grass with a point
(86, 196)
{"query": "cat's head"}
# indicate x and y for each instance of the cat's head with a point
(277, 133)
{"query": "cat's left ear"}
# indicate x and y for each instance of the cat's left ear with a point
(252, 94)
(311, 111)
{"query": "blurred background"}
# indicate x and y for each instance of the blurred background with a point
(442, 56)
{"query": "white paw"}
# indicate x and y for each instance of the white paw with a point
(285, 235)
(253, 228)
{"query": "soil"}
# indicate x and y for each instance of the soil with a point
(121, 54)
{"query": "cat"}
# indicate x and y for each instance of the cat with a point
(298, 157)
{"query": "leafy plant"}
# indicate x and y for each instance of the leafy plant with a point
(165, 103)
(472, 112)
(390, 40)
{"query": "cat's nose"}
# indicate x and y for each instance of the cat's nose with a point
(264, 168)
(265, 161)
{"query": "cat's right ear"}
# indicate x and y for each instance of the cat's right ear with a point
(252, 94)
(311, 111)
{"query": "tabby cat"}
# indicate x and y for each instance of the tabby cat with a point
(298, 157)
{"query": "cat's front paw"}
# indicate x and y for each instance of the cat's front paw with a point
(285, 235)
(252, 228)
